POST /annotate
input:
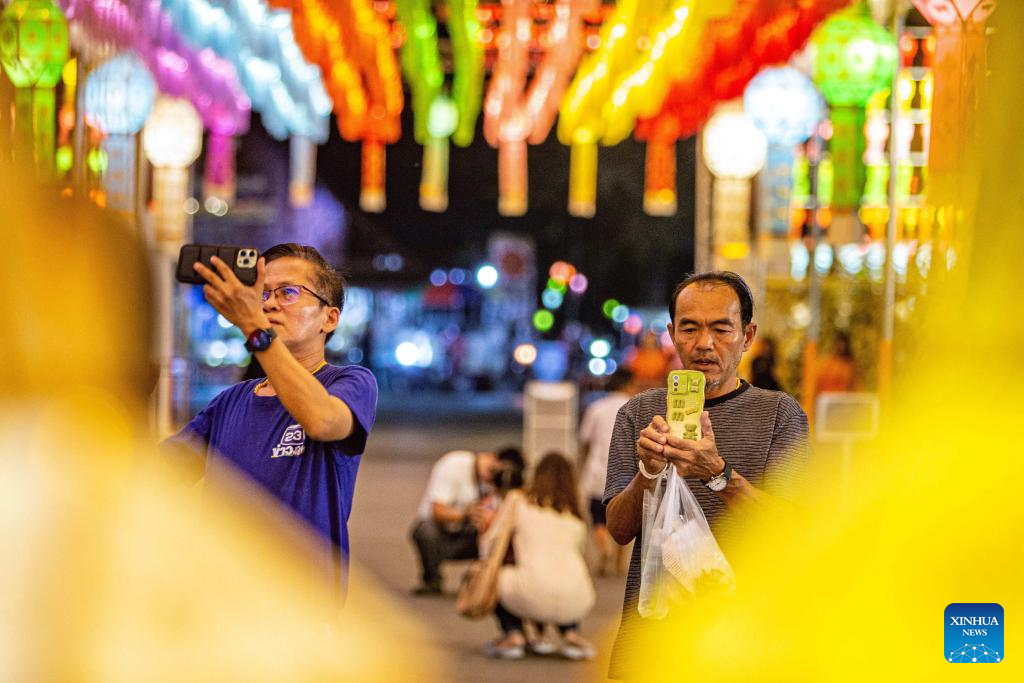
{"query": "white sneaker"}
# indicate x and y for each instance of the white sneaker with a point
(542, 646)
(496, 651)
(577, 651)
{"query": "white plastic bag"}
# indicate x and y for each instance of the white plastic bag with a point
(678, 550)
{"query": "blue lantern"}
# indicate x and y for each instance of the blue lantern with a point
(784, 104)
(119, 95)
(118, 98)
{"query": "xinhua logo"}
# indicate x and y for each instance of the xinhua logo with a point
(974, 633)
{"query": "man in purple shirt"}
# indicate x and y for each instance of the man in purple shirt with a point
(300, 432)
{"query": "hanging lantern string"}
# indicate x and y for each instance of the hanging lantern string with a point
(210, 83)
(283, 87)
(509, 106)
(734, 48)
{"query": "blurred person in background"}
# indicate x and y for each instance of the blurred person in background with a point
(549, 582)
(650, 363)
(300, 432)
(762, 366)
(459, 504)
(105, 549)
(595, 436)
(836, 370)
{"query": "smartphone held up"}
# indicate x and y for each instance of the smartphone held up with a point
(241, 260)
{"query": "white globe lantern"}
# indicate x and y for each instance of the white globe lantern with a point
(734, 150)
(733, 145)
(172, 140)
(173, 136)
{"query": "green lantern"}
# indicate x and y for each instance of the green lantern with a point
(33, 49)
(854, 58)
(438, 116)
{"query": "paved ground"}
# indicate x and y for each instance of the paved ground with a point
(391, 481)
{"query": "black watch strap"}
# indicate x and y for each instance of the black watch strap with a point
(727, 472)
(260, 340)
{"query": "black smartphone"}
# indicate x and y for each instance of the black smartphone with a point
(242, 261)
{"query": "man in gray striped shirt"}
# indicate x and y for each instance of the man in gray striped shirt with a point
(754, 444)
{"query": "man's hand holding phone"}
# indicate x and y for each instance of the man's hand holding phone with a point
(241, 305)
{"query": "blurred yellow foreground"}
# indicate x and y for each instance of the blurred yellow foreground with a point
(110, 571)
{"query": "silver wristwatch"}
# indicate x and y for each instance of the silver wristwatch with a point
(719, 483)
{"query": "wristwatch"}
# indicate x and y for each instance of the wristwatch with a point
(260, 340)
(719, 483)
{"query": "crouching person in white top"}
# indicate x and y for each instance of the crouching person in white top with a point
(549, 582)
(458, 505)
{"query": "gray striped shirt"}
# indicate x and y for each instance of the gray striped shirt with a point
(763, 435)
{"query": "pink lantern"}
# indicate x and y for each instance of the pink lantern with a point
(513, 115)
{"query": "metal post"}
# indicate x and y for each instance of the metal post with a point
(78, 174)
(702, 213)
(889, 303)
(815, 149)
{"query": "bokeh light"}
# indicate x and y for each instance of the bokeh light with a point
(487, 276)
(543, 320)
(599, 348)
(578, 283)
(525, 354)
(609, 306)
(552, 298)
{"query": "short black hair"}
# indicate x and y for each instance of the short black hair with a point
(719, 277)
(330, 284)
(620, 379)
(511, 455)
(509, 478)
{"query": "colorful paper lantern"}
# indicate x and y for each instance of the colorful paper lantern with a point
(674, 41)
(784, 104)
(734, 43)
(579, 122)
(282, 85)
(119, 96)
(209, 82)
(959, 70)
(505, 120)
(434, 111)
(786, 107)
(33, 49)
(302, 171)
(515, 115)
(172, 139)
(660, 178)
(734, 150)
(733, 146)
(853, 57)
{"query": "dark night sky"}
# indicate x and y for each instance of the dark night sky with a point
(623, 252)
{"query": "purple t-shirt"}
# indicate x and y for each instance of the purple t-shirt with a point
(316, 479)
